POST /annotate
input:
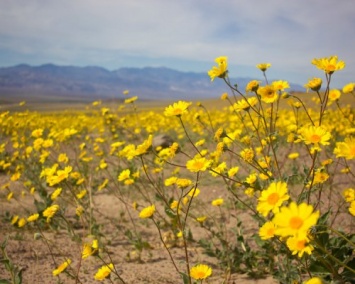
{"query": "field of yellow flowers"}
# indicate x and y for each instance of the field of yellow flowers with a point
(262, 187)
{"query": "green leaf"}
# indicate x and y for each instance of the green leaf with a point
(319, 268)
(4, 243)
(18, 277)
(323, 239)
(4, 281)
(185, 278)
(170, 212)
(40, 205)
(324, 218)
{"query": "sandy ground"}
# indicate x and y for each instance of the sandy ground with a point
(34, 256)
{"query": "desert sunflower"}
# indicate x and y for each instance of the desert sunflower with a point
(295, 219)
(177, 109)
(200, 272)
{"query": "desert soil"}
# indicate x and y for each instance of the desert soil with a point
(34, 258)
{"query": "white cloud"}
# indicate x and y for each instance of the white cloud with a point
(286, 33)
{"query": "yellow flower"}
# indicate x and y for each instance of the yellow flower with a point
(334, 95)
(293, 156)
(200, 142)
(252, 86)
(81, 194)
(10, 195)
(129, 181)
(183, 182)
(220, 133)
(224, 96)
(16, 176)
(33, 217)
(200, 272)
(103, 164)
(249, 191)
(104, 272)
(348, 88)
(349, 194)
(130, 100)
(174, 204)
(37, 133)
(47, 143)
(219, 169)
(44, 156)
(170, 181)
(233, 171)
(145, 146)
(320, 176)
(14, 219)
(201, 219)
(79, 210)
(219, 71)
(61, 267)
(59, 176)
(251, 178)
(267, 231)
(272, 198)
(89, 249)
(244, 104)
(103, 185)
(329, 65)
(22, 222)
(345, 149)
(96, 103)
(125, 174)
(194, 192)
(295, 219)
(280, 85)
(263, 66)
(177, 109)
(298, 245)
(147, 212)
(315, 135)
(49, 212)
(314, 280)
(268, 94)
(314, 84)
(247, 155)
(198, 164)
(352, 208)
(56, 193)
(217, 202)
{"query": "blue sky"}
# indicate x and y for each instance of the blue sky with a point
(185, 35)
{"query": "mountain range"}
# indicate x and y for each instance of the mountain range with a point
(51, 82)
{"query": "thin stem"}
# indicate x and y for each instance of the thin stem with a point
(188, 137)
(167, 249)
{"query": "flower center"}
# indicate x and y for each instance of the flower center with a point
(270, 232)
(198, 165)
(331, 67)
(177, 111)
(301, 244)
(315, 138)
(296, 223)
(201, 275)
(273, 198)
(352, 151)
(270, 94)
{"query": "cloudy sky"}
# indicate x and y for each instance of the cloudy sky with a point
(182, 34)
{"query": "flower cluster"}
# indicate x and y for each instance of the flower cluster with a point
(284, 158)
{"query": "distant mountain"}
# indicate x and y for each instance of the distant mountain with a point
(51, 82)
